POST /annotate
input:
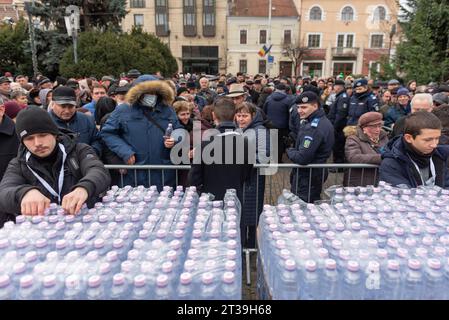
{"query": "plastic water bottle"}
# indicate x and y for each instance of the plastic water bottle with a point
(140, 288)
(310, 282)
(230, 290)
(207, 290)
(352, 285)
(185, 290)
(163, 290)
(391, 282)
(51, 288)
(29, 288)
(120, 288)
(372, 281)
(288, 282)
(168, 131)
(434, 288)
(73, 288)
(7, 291)
(413, 281)
(330, 281)
(95, 289)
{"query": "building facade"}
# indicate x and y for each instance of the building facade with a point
(249, 30)
(11, 10)
(194, 30)
(349, 37)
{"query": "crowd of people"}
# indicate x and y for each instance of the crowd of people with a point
(133, 120)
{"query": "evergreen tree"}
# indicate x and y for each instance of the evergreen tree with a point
(52, 39)
(112, 53)
(13, 40)
(424, 53)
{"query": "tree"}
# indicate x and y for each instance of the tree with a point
(112, 53)
(296, 55)
(13, 40)
(52, 39)
(424, 55)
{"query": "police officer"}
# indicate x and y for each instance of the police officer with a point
(314, 143)
(338, 115)
(362, 101)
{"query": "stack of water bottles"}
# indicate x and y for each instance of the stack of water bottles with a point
(365, 243)
(136, 244)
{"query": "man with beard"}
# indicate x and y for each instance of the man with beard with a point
(50, 167)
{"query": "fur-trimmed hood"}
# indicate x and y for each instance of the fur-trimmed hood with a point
(159, 88)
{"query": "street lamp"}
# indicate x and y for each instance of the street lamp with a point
(392, 33)
(72, 23)
(32, 42)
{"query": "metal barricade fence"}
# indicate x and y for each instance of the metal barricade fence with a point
(340, 174)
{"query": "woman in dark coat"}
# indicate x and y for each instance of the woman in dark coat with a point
(250, 120)
(9, 141)
(365, 145)
(103, 109)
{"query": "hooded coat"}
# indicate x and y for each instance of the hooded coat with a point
(129, 132)
(82, 168)
(397, 168)
(9, 143)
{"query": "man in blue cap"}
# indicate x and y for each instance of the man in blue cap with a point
(314, 143)
(362, 101)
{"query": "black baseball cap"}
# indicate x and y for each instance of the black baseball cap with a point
(64, 95)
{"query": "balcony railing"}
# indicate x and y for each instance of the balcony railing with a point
(345, 52)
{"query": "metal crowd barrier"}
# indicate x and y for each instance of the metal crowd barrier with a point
(340, 174)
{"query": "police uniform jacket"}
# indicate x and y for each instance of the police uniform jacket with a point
(361, 104)
(339, 111)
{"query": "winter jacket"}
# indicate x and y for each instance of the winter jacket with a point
(397, 168)
(82, 168)
(395, 113)
(338, 112)
(255, 187)
(129, 132)
(277, 109)
(84, 127)
(9, 143)
(360, 149)
(215, 177)
(359, 105)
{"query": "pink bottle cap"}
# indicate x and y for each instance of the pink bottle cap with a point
(118, 279)
(330, 264)
(26, 281)
(185, 278)
(414, 264)
(4, 280)
(290, 264)
(353, 266)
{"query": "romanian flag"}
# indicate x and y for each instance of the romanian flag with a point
(263, 52)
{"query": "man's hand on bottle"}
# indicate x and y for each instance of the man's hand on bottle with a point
(169, 143)
(73, 201)
(34, 203)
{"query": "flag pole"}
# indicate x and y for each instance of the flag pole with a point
(269, 33)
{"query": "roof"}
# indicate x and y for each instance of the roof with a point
(259, 8)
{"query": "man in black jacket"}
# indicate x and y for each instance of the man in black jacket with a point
(223, 162)
(8, 140)
(50, 167)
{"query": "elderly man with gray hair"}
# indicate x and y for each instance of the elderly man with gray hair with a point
(420, 102)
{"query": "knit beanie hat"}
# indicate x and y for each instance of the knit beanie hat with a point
(12, 108)
(34, 120)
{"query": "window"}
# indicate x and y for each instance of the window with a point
(161, 19)
(263, 36)
(263, 66)
(189, 19)
(243, 66)
(312, 69)
(347, 14)
(209, 19)
(287, 36)
(314, 41)
(137, 3)
(374, 68)
(161, 3)
(209, 3)
(138, 20)
(345, 40)
(377, 41)
(242, 36)
(315, 13)
(188, 3)
(380, 14)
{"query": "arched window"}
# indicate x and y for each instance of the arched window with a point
(347, 14)
(380, 14)
(315, 13)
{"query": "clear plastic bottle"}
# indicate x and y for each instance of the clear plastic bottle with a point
(51, 288)
(73, 289)
(413, 281)
(329, 281)
(288, 282)
(392, 281)
(162, 291)
(95, 289)
(434, 286)
(140, 289)
(310, 282)
(28, 289)
(352, 284)
(7, 289)
(186, 289)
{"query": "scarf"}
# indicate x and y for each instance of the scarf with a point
(422, 160)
